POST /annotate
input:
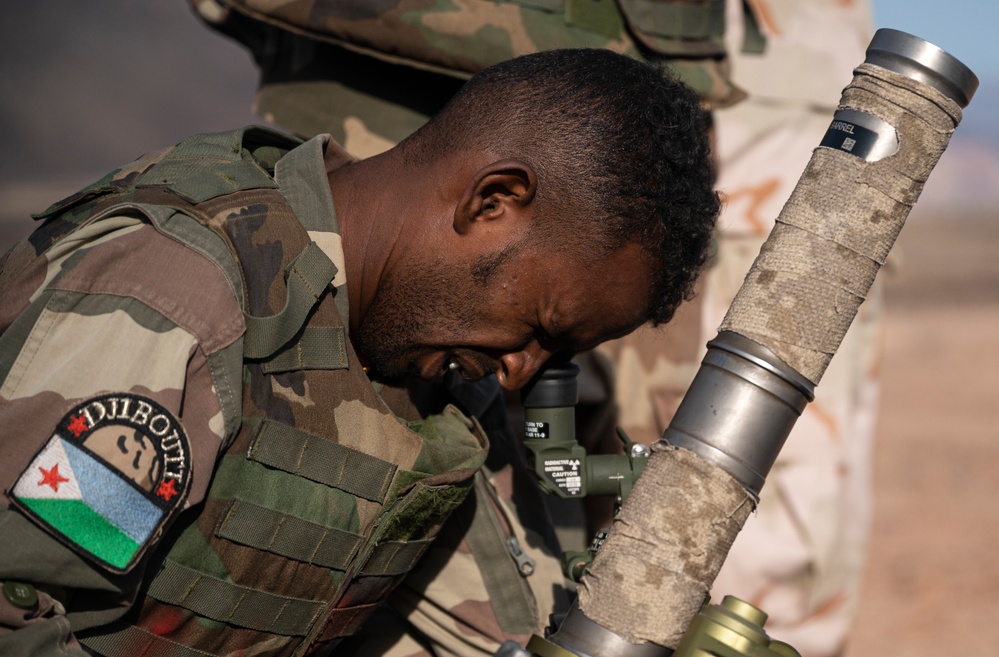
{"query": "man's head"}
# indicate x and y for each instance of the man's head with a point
(577, 174)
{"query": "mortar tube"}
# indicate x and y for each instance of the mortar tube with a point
(784, 325)
(740, 409)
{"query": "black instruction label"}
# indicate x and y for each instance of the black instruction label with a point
(535, 430)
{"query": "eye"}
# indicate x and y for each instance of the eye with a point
(550, 339)
(454, 365)
(541, 335)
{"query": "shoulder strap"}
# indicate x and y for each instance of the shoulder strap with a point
(307, 277)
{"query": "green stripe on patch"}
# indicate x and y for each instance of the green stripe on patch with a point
(86, 528)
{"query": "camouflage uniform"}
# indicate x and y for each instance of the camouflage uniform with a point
(800, 558)
(194, 462)
(371, 74)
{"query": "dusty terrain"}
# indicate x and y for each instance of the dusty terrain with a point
(932, 582)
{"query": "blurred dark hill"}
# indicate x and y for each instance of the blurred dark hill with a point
(108, 80)
(85, 87)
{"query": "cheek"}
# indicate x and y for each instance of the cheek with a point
(509, 306)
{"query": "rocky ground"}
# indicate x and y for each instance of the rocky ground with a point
(932, 582)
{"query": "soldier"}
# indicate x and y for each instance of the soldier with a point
(373, 79)
(256, 308)
(371, 74)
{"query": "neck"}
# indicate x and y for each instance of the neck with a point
(371, 201)
(388, 212)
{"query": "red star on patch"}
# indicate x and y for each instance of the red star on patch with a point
(51, 477)
(166, 490)
(77, 426)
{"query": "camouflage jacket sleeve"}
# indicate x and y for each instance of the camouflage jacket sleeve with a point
(120, 347)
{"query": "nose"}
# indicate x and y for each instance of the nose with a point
(518, 367)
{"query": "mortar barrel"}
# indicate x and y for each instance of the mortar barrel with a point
(667, 545)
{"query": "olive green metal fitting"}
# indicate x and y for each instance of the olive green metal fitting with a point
(560, 464)
(732, 629)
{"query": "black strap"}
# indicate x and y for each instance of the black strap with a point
(394, 557)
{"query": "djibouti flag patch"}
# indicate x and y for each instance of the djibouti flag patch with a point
(114, 473)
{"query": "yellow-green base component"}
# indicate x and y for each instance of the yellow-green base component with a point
(539, 647)
(732, 629)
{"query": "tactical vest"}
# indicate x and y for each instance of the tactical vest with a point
(324, 500)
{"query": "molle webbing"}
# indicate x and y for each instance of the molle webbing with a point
(317, 348)
(309, 542)
(254, 609)
(393, 558)
(297, 452)
(290, 536)
(224, 601)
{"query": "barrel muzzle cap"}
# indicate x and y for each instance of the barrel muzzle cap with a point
(922, 61)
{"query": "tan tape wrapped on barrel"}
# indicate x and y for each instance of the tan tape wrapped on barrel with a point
(669, 542)
(835, 231)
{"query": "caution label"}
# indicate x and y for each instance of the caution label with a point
(565, 474)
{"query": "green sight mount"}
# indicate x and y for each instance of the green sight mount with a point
(561, 464)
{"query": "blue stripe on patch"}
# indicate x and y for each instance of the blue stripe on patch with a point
(113, 497)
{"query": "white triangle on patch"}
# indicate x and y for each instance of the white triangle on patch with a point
(50, 476)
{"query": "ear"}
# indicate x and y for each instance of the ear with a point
(501, 190)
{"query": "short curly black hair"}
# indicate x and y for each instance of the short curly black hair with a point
(620, 148)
